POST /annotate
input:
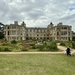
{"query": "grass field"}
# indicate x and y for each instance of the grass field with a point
(37, 64)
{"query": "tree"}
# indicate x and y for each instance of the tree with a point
(1, 35)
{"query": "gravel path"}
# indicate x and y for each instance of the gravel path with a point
(31, 52)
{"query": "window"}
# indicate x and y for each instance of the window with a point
(17, 38)
(8, 27)
(45, 30)
(37, 35)
(5, 32)
(64, 27)
(42, 30)
(58, 33)
(13, 38)
(13, 27)
(39, 30)
(5, 27)
(20, 33)
(8, 32)
(13, 32)
(69, 28)
(30, 30)
(34, 30)
(64, 33)
(26, 34)
(20, 38)
(68, 33)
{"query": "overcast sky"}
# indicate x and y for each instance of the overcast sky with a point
(38, 13)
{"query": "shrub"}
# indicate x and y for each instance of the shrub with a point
(1, 49)
(73, 45)
(24, 49)
(62, 43)
(32, 44)
(48, 47)
(34, 47)
(5, 49)
(52, 46)
(5, 44)
(14, 42)
(41, 47)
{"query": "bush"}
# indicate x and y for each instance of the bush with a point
(73, 45)
(24, 49)
(5, 49)
(1, 49)
(62, 44)
(41, 47)
(14, 42)
(5, 44)
(52, 46)
(34, 47)
(32, 44)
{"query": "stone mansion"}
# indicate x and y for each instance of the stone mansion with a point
(51, 32)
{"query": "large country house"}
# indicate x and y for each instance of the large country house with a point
(51, 32)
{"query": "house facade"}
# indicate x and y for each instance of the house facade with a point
(51, 32)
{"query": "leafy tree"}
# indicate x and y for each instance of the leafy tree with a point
(73, 38)
(1, 23)
(1, 35)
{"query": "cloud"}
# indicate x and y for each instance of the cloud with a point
(71, 1)
(38, 12)
(72, 7)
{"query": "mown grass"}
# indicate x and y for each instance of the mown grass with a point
(37, 64)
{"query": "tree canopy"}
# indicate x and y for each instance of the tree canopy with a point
(1, 35)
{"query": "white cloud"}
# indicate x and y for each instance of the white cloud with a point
(38, 12)
(71, 1)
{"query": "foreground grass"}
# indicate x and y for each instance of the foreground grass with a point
(37, 64)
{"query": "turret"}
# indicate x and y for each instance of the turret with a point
(23, 24)
(16, 22)
(59, 24)
(50, 25)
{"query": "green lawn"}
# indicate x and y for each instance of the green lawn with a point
(37, 64)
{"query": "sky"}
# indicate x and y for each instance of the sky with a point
(38, 13)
